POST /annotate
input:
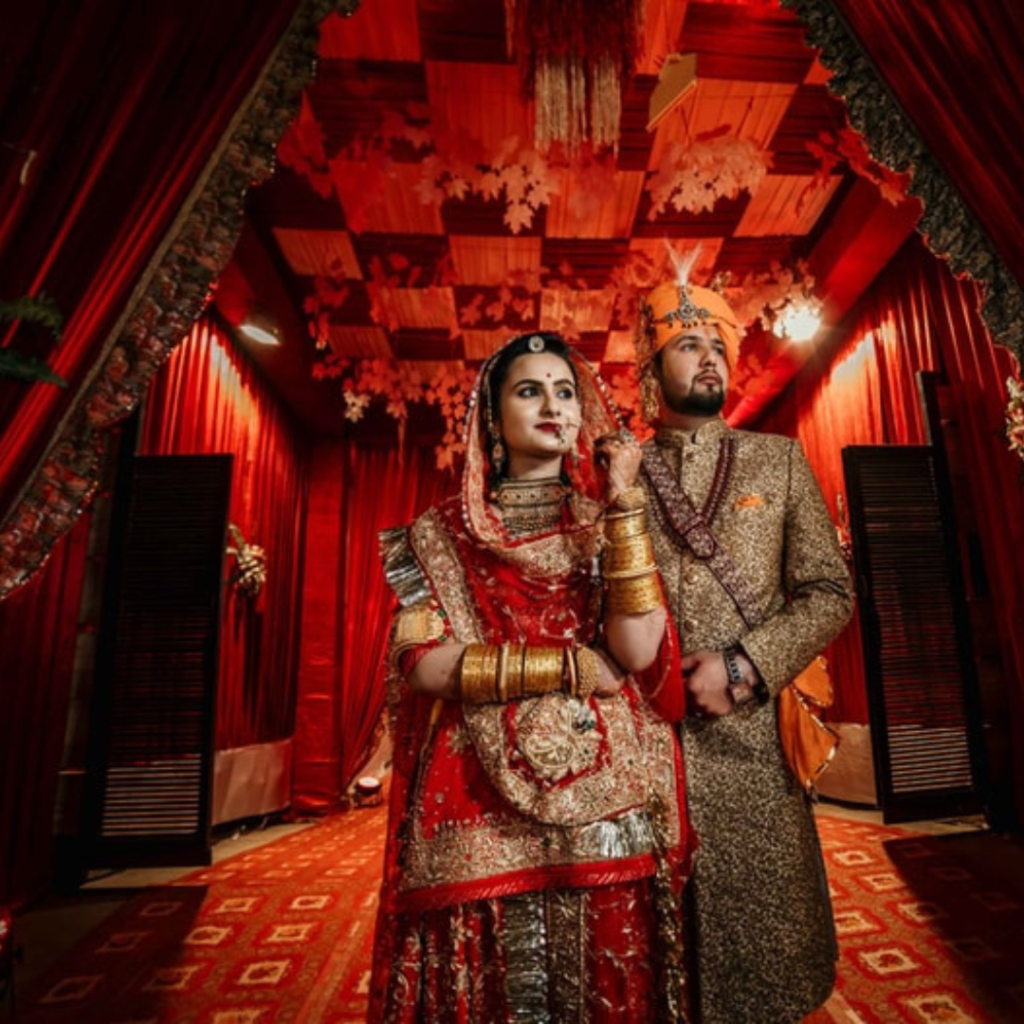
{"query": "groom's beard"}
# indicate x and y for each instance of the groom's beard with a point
(696, 403)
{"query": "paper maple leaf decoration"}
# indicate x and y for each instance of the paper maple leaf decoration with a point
(302, 149)
(520, 177)
(694, 177)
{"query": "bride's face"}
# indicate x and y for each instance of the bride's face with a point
(539, 413)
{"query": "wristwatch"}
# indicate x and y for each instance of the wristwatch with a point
(741, 691)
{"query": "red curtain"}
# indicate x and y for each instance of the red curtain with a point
(38, 637)
(956, 68)
(355, 492)
(828, 407)
(209, 399)
(919, 317)
(109, 110)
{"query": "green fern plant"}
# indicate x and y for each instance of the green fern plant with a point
(41, 310)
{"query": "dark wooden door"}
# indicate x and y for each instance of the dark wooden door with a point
(922, 693)
(151, 728)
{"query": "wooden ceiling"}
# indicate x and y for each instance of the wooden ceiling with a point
(411, 220)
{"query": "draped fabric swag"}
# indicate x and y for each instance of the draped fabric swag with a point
(919, 317)
(209, 399)
(354, 493)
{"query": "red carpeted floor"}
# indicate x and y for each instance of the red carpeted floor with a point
(930, 929)
(930, 926)
(279, 934)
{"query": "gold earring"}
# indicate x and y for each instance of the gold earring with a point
(497, 448)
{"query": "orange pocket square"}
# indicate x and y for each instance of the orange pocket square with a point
(749, 501)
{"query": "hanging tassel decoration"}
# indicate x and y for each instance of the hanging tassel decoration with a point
(573, 56)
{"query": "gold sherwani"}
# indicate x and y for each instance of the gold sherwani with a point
(762, 933)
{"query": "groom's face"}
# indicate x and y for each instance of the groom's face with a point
(693, 371)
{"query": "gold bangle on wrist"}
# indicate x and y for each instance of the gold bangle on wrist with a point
(501, 674)
(631, 574)
(489, 674)
(572, 683)
(475, 685)
(543, 670)
(622, 525)
(634, 595)
(512, 666)
(628, 556)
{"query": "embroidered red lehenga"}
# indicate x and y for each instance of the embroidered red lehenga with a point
(536, 849)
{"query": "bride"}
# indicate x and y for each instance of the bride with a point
(537, 840)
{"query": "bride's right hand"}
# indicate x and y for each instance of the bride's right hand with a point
(620, 454)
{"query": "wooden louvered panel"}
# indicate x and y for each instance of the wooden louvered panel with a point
(917, 657)
(152, 759)
(155, 798)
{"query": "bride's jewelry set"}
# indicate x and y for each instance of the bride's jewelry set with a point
(496, 673)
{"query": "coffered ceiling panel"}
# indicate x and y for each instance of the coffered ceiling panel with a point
(414, 220)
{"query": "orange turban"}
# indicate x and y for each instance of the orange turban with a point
(670, 308)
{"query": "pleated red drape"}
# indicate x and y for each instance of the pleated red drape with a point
(121, 104)
(826, 413)
(864, 391)
(38, 635)
(355, 492)
(209, 399)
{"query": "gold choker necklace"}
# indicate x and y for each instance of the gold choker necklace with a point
(530, 506)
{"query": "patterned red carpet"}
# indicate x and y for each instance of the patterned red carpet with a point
(279, 934)
(930, 929)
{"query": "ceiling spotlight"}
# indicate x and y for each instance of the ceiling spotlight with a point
(261, 328)
(798, 320)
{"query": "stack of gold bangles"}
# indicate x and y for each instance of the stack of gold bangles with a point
(497, 673)
(628, 563)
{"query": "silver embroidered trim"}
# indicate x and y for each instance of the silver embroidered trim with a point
(567, 959)
(401, 570)
(526, 980)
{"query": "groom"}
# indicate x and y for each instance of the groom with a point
(757, 586)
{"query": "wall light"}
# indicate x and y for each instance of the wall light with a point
(798, 320)
(260, 327)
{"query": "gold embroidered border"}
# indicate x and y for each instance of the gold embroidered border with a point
(598, 793)
(436, 552)
(459, 853)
